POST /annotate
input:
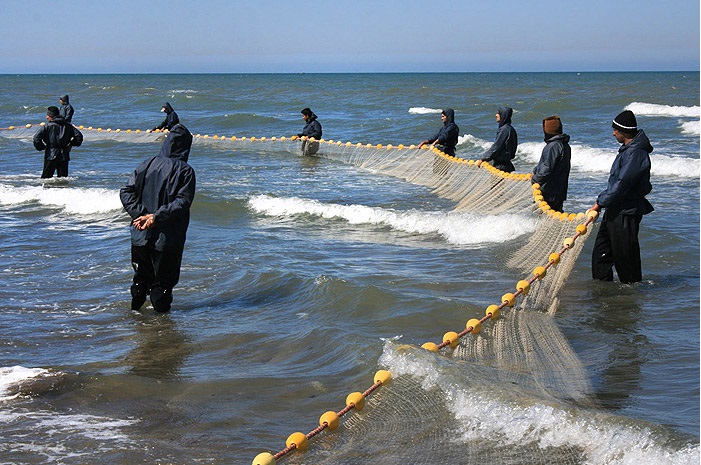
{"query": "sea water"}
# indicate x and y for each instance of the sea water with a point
(299, 273)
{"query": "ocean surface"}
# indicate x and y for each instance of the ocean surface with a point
(301, 276)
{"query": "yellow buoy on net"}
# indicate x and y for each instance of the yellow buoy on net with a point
(493, 312)
(592, 214)
(355, 399)
(452, 338)
(539, 272)
(569, 242)
(509, 299)
(475, 324)
(554, 257)
(299, 440)
(264, 458)
(331, 420)
(430, 346)
(523, 286)
(383, 376)
(581, 229)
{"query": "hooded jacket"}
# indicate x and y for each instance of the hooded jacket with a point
(503, 150)
(312, 128)
(553, 170)
(165, 186)
(66, 110)
(171, 118)
(629, 179)
(447, 136)
(56, 138)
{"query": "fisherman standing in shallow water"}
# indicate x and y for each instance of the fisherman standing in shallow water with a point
(503, 150)
(625, 203)
(553, 170)
(170, 120)
(447, 136)
(66, 110)
(311, 130)
(158, 197)
(56, 138)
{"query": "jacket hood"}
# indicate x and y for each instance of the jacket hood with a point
(177, 144)
(449, 115)
(558, 137)
(505, 115)
(640, 141)
(64, 98)
(168, 108)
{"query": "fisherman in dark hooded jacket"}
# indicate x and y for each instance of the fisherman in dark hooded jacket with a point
(158, 197)
(624, 199)
(553, 170)
(66, 110)
(503, 150)
(56, 138)
(171, 118)
(312, 128)
(447, 137)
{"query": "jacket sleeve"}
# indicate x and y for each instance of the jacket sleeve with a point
(498, 144)
(624, 179)
(544, 169)
(183, 198)
(130, 196)
(316, 130)
(435, 137)
(77, 140)
(38, 139)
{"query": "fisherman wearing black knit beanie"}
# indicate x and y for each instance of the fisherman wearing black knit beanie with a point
(624, 200)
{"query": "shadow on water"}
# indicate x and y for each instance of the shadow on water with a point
(161, 347)
(618, 316)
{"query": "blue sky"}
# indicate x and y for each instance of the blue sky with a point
(355, 36)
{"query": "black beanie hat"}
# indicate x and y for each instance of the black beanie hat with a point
(52, 112)
(625, 121)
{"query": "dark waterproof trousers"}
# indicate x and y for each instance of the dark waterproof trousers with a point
(51, 166)
(155, 275)
(617, 245)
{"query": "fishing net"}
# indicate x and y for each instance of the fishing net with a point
(496, 397)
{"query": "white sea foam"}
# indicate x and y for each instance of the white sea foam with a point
(11, 376)
(652, 109)
(471, 141)
(423, 110)
(691, 128)
(455, 227)
(82, 201)
(591, 160)
(486, 413)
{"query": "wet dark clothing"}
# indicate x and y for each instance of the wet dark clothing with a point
(66, 110)
(503, 150)
(56, 138)
(447, 137)
(625, 204)
(553, 170)
(312, 128)
(171, 118)
(165, 186)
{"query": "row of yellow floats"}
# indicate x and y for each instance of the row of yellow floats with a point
(331, 420)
